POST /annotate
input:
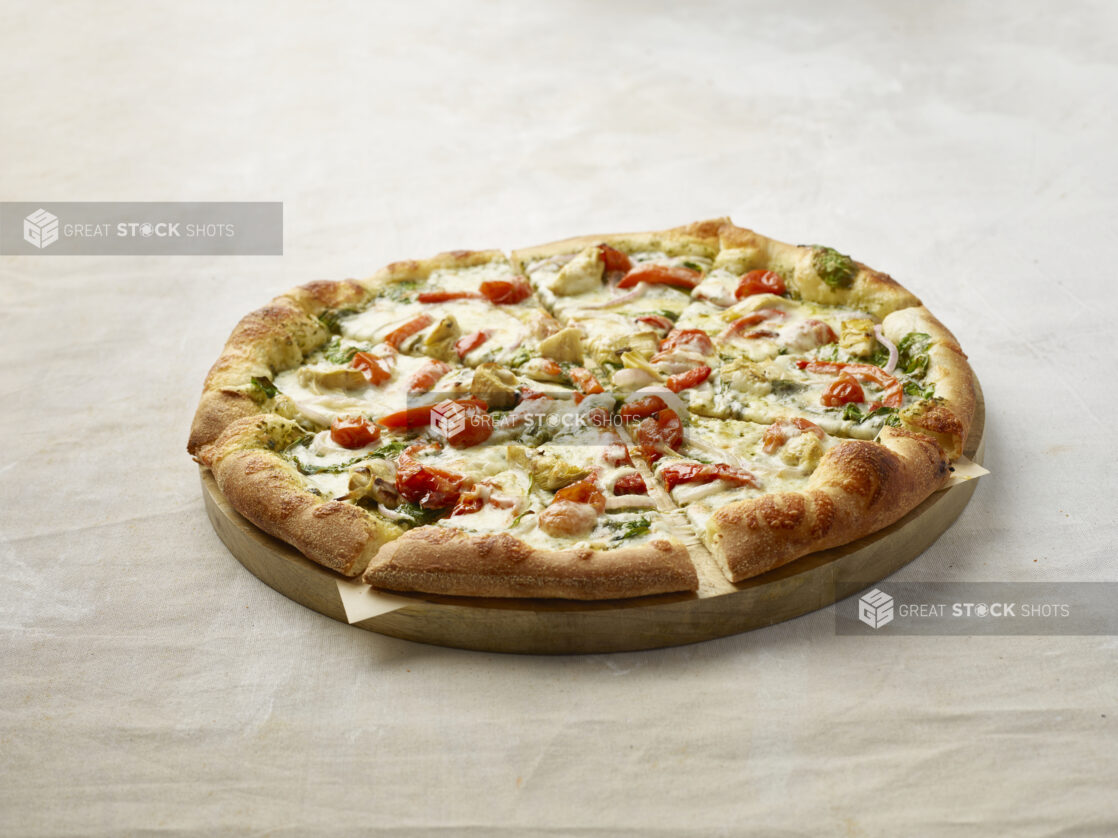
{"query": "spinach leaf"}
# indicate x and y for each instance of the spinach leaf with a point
(629, 529)
(912, 352)
(265, 386)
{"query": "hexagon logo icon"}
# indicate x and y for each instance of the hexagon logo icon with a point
(448, 419)
(40, 228)
(875, 609)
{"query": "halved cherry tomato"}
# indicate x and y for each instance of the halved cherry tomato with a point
(819, 332)
(614, 260)
(663, 429)
(354, 432)
(753, 319)
(616, 454)
(417, 417)
(585, 381)
(584, 491)
(427, 486)
(685, 380)
(892, 391)
(656, 321)
(676, 474)
(446, 296)
(376, 370)
(842, 390)
(402, 333)
(630, 484)
(506, 291)
(782, 430)
(678, 276)
(427, 376)
(640, 408)
(468, 502)
(473, 427)
(760, 282)
(465, 345)
(695, 340)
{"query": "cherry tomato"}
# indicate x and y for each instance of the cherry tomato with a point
(760, 282)
(413, 326)
(614, 259)
(892, 391)
(376, 370)
(447, 296)
(663, 429)
(630, 484)
(506, 291)
(427, 376)
(751, 320)
(685, 380)
(782, 430)
(842, 390)
(676, 474)
(585, 381)
(678, 277)
(465, 345)
(354, 432)
(473, 428)
(584, 491)
(429, 487)
(640, 408)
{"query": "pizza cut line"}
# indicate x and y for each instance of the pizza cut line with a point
(577, 420)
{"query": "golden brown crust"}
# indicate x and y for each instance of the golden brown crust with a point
(440, 560)
(271, 493)
(948, 418)
(698, 239)
(858, 488)
(872, 291)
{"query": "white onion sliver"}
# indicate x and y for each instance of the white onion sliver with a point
(629, 296)
(690, 494)
(391, 514)
(723, 455)
(893, 354)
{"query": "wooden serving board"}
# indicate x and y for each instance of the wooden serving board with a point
(561, 627)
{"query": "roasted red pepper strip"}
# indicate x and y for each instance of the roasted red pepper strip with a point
(376, 370)
(614, 259)
(695, 340)
(447, 296)
(465, 345)
(686, 380)
(506, 291)
(630, 484)
(429, 487)
(663, 429)
(402, 333)
(585, 381)
(417, 417)
(427, 376)
(679, 277)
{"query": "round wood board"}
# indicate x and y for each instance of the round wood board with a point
(561, 627)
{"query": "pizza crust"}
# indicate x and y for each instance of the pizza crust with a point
(443, 560)
(872, 291)
(271, 493)
(698, 239)
(858, 488)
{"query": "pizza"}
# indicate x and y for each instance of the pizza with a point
(597, 418)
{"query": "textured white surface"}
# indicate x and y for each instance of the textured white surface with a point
(151, 684)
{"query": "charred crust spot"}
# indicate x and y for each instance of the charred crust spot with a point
(940, 420)
(405, 267)
(461, 254)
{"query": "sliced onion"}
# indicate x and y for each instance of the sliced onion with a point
(630, 502)
(690, 494)
(722, 454)
(628, 296)
(893, 354)
(391, 514)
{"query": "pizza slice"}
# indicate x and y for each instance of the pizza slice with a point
(761, 496)
(616, 291)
